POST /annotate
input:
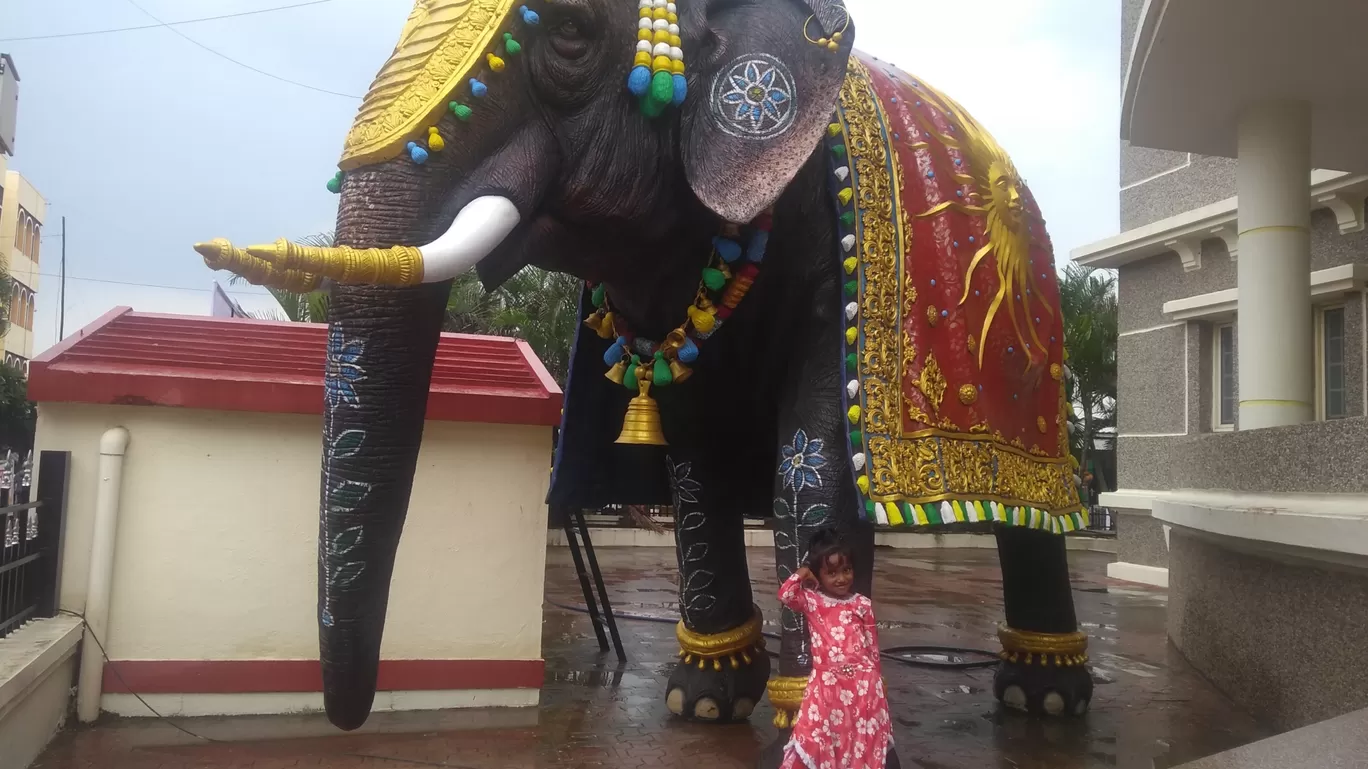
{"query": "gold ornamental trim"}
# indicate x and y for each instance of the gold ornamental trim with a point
(736, 645)
(786, 695)
(442, 43)
(1058, 649)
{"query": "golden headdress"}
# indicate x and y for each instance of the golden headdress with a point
(445, 43)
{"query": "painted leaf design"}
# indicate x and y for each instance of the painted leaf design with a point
(346, 540)
(347, 573)
(815, 516)
(347, 495)
(348, 444)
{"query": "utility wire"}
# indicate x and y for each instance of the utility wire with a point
(235, 61)
(149, 285)
(163, 24)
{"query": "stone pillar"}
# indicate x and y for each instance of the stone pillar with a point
(1275, 339)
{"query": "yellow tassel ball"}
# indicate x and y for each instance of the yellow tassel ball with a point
(435, 141)
(675, 41)
(849, 264)
(661, 63)
(645, 13)
(863, 483)
(845, 195)
(679, 67)
(643, 59)
(853, 414)
(661, 36)
(670, 17)
(852, 335)
(660, 13)
(495, 63)
(644, 34)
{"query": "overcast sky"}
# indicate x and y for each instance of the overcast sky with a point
(147, 143)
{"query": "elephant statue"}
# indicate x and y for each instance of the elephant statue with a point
(814, 287)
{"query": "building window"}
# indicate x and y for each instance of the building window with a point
(1223, 402)
(1330, 357)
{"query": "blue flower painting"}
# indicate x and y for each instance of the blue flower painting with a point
(757, 96)
(342, 371)
(802, 462)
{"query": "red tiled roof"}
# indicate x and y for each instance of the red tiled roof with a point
(141, 359)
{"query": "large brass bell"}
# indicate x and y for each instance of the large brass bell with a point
(641, 426)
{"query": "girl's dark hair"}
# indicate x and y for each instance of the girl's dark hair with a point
(824, 544)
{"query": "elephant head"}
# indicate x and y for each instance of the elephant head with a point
(501, 135)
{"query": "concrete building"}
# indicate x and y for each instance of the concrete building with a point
(22, 213)
(1243, 354)
(204, 591)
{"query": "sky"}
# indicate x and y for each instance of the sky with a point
(147, 143)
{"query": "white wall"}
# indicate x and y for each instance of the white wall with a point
(216, 545)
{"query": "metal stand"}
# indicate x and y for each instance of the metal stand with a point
(570, 520)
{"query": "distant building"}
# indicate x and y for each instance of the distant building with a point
(22, 213)
(1243, 354)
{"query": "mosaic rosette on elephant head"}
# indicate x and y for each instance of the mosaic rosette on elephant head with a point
(953, 328)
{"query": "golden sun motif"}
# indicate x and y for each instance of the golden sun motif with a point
(1008, 231)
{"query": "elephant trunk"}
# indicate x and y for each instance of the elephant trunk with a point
(381, 345)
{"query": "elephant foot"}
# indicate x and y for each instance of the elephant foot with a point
(772, 757)
(721, 676)
(1043, 673)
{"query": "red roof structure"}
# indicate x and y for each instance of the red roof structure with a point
(230, 364)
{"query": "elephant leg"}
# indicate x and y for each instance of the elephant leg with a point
(1043, 668)
(814, 488)
(723, 665)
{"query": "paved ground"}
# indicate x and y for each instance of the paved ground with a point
(1150, 709)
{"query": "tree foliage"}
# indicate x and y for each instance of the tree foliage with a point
(537, 306)
(1088, 303)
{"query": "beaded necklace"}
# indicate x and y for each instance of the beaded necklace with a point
(638, 363)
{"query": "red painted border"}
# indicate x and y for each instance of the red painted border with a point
(305, 676)
(62, 374)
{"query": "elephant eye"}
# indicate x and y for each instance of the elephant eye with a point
(569, 40)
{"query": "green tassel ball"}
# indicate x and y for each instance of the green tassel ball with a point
(598, 296)
(461, 111)
(839, 150)
(851, 287)
(857, 438)
(661, 94)
(660, 371)
(714, 279)
(848, 218)
(511, 46)
(629, 380)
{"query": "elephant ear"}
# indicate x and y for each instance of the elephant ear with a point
(760, 97)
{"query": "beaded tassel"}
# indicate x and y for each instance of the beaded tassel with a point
(657, 77)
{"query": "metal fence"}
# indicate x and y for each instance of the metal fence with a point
(1102, 519)
(31, 551)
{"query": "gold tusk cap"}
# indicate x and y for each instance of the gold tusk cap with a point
(219, 254)
(394, 266)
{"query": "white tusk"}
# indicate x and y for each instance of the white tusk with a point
(478, 229)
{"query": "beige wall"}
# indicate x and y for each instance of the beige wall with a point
(216, 544)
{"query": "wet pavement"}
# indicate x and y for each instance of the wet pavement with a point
(1150, 709)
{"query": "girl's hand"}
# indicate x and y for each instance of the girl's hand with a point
(808, 580)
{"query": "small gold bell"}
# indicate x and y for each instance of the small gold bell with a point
(679, 372)
(594, 320)
(617, 372)
(605, 329)
(641, 426)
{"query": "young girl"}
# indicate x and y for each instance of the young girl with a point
(843, 722)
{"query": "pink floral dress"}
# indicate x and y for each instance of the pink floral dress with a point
(843, 723)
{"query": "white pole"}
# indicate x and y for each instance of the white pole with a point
(1275, 340)
(113, 444)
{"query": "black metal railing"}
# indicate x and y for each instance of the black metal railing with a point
(31, 548)
(1101, 519)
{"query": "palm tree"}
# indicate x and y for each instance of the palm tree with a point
(297, 308)
(1087, 299)
(542, 309)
